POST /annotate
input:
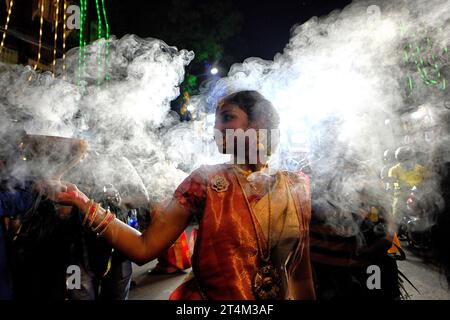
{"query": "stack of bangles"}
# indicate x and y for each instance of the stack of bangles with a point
(91, 214)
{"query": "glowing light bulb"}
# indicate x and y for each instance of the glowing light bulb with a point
(214, 71)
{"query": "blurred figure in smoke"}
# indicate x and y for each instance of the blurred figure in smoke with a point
(405, 175)
(43, 246)
(388, 162)
(253, 238)
(181, 106)
(105, 273)
(441, 230)
(351, 229)
(15, 199)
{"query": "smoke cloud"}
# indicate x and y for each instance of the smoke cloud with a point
(349, 86)
(346, 85)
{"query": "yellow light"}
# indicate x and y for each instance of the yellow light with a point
(64, 40)
(11, 3)
(40, 34)
(56, 36)
(40, 39)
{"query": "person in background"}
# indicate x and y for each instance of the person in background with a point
(388, 162)
(185, 114)
(349, 232)
(15, 200)
(105, 273)
(405, 175)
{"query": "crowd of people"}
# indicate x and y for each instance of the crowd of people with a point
(262, 233)
(40, 240)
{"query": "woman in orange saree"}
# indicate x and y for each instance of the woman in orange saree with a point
(253, 236)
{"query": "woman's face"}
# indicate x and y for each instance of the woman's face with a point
(229, 116)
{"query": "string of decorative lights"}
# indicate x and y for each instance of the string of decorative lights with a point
(5, 29)
(101, 11)
(99, 20)
(87, 29)
(427, 59)
(56, 36)
(41, 27)
(81, 42)
(99, 36)
(64, 41)
(107, 34)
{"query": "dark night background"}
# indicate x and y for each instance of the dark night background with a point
(219, 31)
(244, 28)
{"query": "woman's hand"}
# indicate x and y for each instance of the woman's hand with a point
(63, 193)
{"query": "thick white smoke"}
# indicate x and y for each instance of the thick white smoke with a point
(341, 86)
(120, 118)
(346, 91)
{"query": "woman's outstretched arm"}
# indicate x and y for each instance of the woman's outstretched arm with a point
(139, 248)
(162, 232)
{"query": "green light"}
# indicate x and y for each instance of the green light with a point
(85, 39)
(426, 59)
(99, 35)
(99, 20)
(410, 82)
(105, 18)
(80, 52)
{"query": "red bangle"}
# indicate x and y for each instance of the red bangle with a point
(87, 214)
(92, 213)
(92, 219)
(111, 218)
(107, 221)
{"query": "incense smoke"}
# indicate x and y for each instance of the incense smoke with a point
(345, 86)
(124, 119)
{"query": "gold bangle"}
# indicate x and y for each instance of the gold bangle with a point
(101, 223)
(92, 220)
(92, 214)
(108, 223)
(86, 214)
